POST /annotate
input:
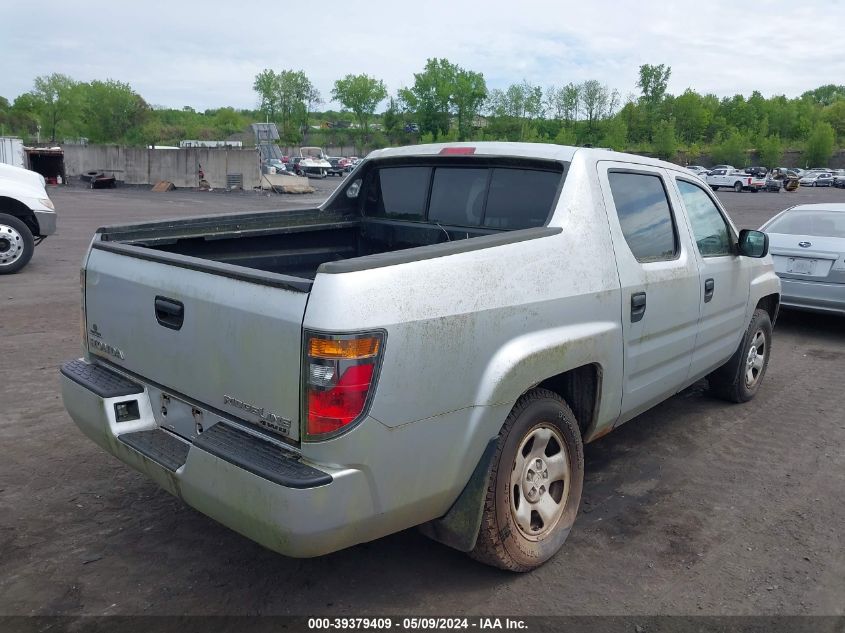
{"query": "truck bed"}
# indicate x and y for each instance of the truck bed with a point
(293, 244)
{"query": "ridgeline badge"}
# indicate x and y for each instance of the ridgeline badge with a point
(267, 419)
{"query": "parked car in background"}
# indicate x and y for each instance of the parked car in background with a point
(346, 164)
(773, 184)
(736, 180)
(273, 166)
(782, 178)
(336, 169)
(839, 178)
(698, 170)
(27, 216)
(807, 243)
(816, 179)
(725, 167)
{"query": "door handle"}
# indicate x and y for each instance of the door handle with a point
(169, 312)
(637, 306)
(709, 288)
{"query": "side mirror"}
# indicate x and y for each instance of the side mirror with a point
(753, 243)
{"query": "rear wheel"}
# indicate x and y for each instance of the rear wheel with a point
(534, 487)
(714, 187)
(739, 379)
(738, 187)
(16, 244)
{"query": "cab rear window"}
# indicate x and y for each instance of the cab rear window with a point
(499, 198)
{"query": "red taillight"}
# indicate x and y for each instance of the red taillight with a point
(457, 151)
(339, 379)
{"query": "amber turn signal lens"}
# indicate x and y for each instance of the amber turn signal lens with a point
(353, 348)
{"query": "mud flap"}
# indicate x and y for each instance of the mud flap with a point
(458, 528)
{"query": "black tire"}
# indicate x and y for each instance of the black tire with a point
(738, 187)
(714, 187)
(16, 244)
(501, 541)
(730, 381)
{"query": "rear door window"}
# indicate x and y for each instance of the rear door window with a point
(644, 215)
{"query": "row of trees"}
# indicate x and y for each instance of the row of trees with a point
(448, 102)
(59, 108)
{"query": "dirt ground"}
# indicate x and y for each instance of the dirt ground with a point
(696, 507)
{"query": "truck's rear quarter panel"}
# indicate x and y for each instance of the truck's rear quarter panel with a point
(466, 336)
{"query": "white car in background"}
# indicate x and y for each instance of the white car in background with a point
(733, 179)
(27, 216)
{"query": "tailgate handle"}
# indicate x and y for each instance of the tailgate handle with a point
(169, 312)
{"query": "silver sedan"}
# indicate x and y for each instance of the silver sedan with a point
(807, 244)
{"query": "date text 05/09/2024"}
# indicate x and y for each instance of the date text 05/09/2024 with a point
(413, 624)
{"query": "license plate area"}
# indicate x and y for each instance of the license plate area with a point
(801, 266)
(178, 416)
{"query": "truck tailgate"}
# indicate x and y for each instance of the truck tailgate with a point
(233, 345)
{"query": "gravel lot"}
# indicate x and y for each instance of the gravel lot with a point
(696, 507)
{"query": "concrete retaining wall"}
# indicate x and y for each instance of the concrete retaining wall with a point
(139, 166)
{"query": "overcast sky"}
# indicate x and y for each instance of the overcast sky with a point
(206, 54)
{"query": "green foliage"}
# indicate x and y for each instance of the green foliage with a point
(445, 100)
(653, 81)
(835, 115)
(819, 145)
(110, 111)
(692, 117)
(566, 136)
(825, 95)
(441, 91)
(594, 97)
(771, 152)
(56, 103)
(430, 96)
(286, 98)
(615, 134)
(733, 150)
(665, 143)
(361, 94)
(391, 119)
(468, 93)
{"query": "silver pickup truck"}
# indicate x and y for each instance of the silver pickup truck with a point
(430, 347)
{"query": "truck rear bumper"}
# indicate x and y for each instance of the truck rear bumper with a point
(235, 476)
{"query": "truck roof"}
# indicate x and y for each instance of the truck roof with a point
(546, 151)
